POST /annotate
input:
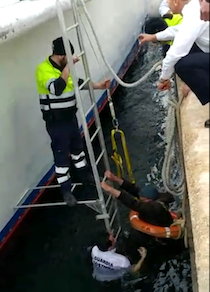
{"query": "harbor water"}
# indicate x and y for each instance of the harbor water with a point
(48, 252)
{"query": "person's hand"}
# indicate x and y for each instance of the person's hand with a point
(204, 11)
(112, 237)
(75, 59)
(106, 187)
(105, 84)
(164, 85)
(143, 252)
(145, 38)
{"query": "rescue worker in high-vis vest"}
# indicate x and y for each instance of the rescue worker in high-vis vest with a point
(58, 105)
(155, 25)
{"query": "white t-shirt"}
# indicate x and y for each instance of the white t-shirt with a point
(108, 265)
(191, 30)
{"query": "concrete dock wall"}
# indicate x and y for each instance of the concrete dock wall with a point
(196, 158)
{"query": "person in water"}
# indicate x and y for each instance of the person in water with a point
(152, 207)
(108, 264)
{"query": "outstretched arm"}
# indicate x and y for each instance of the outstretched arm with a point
(125, 198)
(105, 84)
(143, 252)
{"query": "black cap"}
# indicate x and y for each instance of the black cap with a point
(58, 47)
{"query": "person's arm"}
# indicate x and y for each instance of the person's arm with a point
(125, 198)
(143, 252)
(57, 86)
(105, 84)
(131, 188)
(146, 38)
(183, 42)
(168, 34)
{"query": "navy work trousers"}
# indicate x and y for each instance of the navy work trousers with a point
(66, 143)
(193, 69)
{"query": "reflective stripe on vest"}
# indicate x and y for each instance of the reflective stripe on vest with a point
(46, 74)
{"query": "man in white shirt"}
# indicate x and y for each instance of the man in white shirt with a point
(108, 265)
(189, 54)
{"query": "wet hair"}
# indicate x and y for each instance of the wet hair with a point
(103, 241)
(155, 24)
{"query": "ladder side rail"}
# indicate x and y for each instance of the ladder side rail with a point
(90, 86)
(81, 111)
(93, 99)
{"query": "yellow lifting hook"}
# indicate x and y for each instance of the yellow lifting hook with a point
(117, 157)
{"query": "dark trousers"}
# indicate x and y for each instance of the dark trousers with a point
(66, 143)
(193, 69)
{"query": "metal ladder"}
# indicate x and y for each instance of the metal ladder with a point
(106, 207)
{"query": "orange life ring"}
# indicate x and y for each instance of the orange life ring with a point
(156, 231)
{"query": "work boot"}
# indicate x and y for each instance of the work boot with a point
(207, 124)
(69, 199)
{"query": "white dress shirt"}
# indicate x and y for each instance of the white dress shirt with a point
(191, 30)
(164, 8)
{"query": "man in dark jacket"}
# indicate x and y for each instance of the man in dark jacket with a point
(153, 210)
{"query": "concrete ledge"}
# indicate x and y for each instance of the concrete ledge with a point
(196, 155)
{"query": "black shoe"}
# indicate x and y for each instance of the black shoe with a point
(69, 199)
(207, 124)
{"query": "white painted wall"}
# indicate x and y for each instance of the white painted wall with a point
(25, 154)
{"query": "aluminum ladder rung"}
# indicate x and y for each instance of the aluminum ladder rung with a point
(108, 200)
(52, 187)
(113, 217)
(118, 232)
(44, 188)
(80, 54)
(102, 216)
(54, 204)
(95, 134)
(84, 83)
(100, 156)
(72, 26)
(90, 109)
(111, 206)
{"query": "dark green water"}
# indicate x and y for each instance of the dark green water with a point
(49, 250)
